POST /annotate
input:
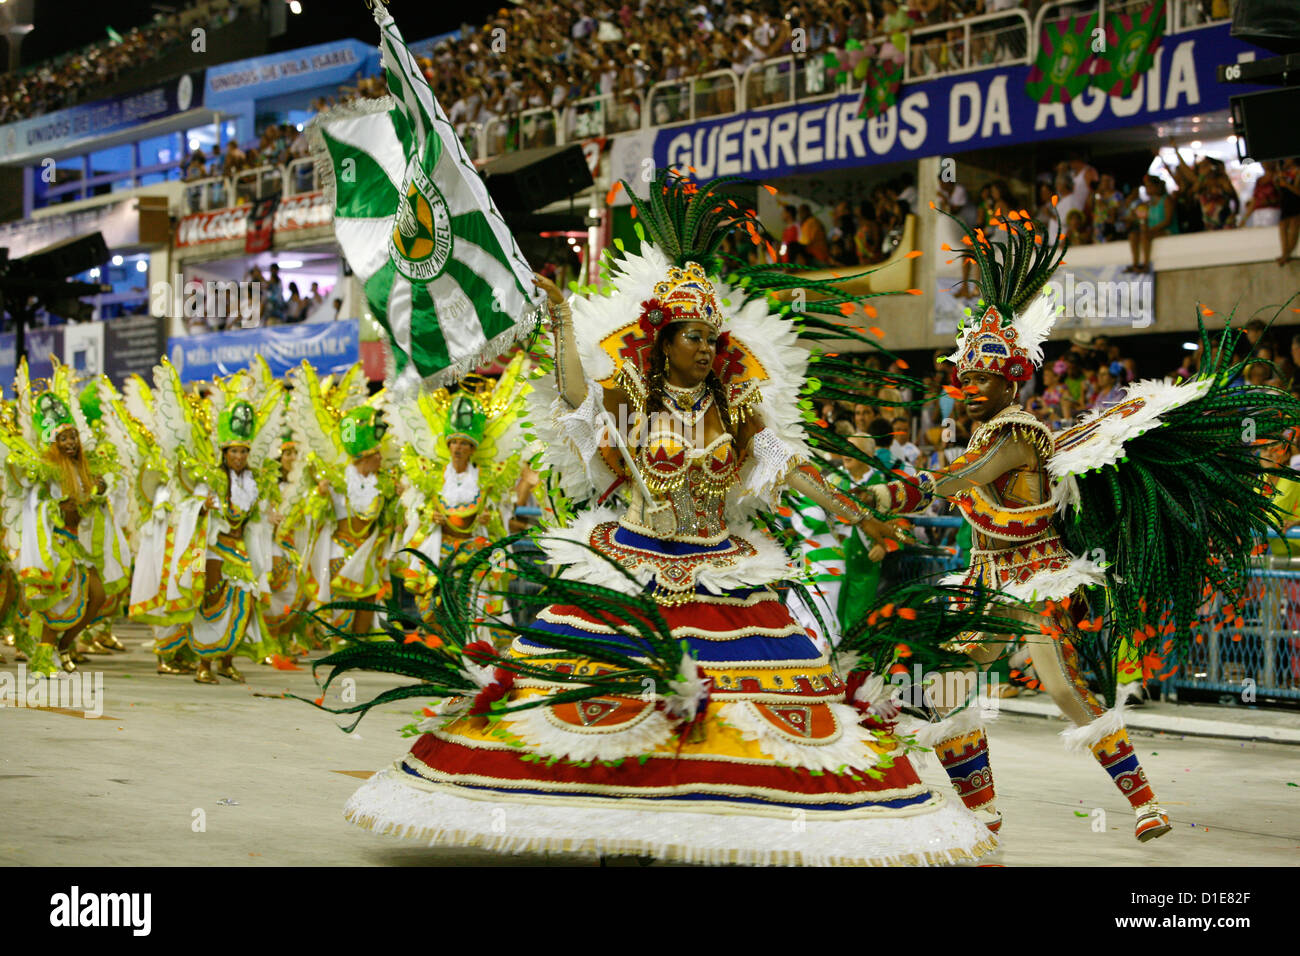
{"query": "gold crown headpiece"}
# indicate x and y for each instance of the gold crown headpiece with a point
(686, 295)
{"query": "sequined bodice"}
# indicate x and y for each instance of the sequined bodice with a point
(688, 486)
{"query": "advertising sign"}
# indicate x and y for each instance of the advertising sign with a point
(328, 346)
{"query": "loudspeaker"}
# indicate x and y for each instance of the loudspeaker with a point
(532, 178)
(1261, 123)
(66, 258)
(1272, 24)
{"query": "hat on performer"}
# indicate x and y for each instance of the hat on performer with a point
(362, 429)
(235, 425)
(686, 295)
(1017, 308)
(465, 419)
(53, 416)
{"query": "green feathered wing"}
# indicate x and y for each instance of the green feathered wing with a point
(1167, 492)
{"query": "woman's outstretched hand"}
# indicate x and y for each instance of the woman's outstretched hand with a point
(552, 291)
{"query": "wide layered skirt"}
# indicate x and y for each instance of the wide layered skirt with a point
(780, 769)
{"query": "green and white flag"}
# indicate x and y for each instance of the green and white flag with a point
(442, 273)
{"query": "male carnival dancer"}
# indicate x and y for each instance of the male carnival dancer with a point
(1118, 476)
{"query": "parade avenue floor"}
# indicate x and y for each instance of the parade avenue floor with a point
(177, 773)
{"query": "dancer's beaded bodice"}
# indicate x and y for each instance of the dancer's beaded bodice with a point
(688, 486)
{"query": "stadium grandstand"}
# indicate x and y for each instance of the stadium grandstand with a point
(862, 114)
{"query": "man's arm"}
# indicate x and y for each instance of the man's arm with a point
(977, 467)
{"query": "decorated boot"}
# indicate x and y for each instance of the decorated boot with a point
(960, 743)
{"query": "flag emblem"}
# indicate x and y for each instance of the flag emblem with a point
(421, 241)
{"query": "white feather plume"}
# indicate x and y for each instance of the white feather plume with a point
(1034, 324)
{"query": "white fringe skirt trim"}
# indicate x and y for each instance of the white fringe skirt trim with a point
(850, 747)
(965, 721)
(546, 734)
(393, 802)
(1049, 585)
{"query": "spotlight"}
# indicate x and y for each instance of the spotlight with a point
(117, 260)
(1189, 346)
(142, 266)
(295, 6)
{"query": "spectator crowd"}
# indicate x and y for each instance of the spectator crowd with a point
(279, 145)
(1088, 204)
(279, 303)
(81, 76)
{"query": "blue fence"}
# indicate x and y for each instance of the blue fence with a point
(1262, 653)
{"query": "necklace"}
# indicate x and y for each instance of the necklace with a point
(688, 404)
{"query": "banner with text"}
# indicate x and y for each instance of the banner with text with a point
(41, 136)
(328, 346)
(302, 211)
(327, 64)
(938, 117)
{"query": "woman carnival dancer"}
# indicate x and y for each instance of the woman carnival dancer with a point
(291, 534)
(228, 474)
(95, 397)
(12, 617)
(1133, 513)
(680, 394)
(73, 558)
(352, 505)
(165, 589)
(460, 459)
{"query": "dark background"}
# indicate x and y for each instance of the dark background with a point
(63, 25)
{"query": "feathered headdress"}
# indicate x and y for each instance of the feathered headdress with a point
(682, 272)
(465, 419)
(361, 430)
(1019, 309)
(57, 407)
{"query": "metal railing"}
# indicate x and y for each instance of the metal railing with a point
(976, 43)
(604, 115)
(535, 127)
(200, 195)
(221, 192)
(1263, 653)
(1180, 15)
(694, 97)
(300, 177)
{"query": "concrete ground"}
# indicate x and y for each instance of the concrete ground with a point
(179, 773)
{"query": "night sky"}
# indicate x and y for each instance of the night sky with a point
(62, 25)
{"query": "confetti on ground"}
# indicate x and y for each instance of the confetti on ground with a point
(227, 802)
(1080, 813)
(1293, 784)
